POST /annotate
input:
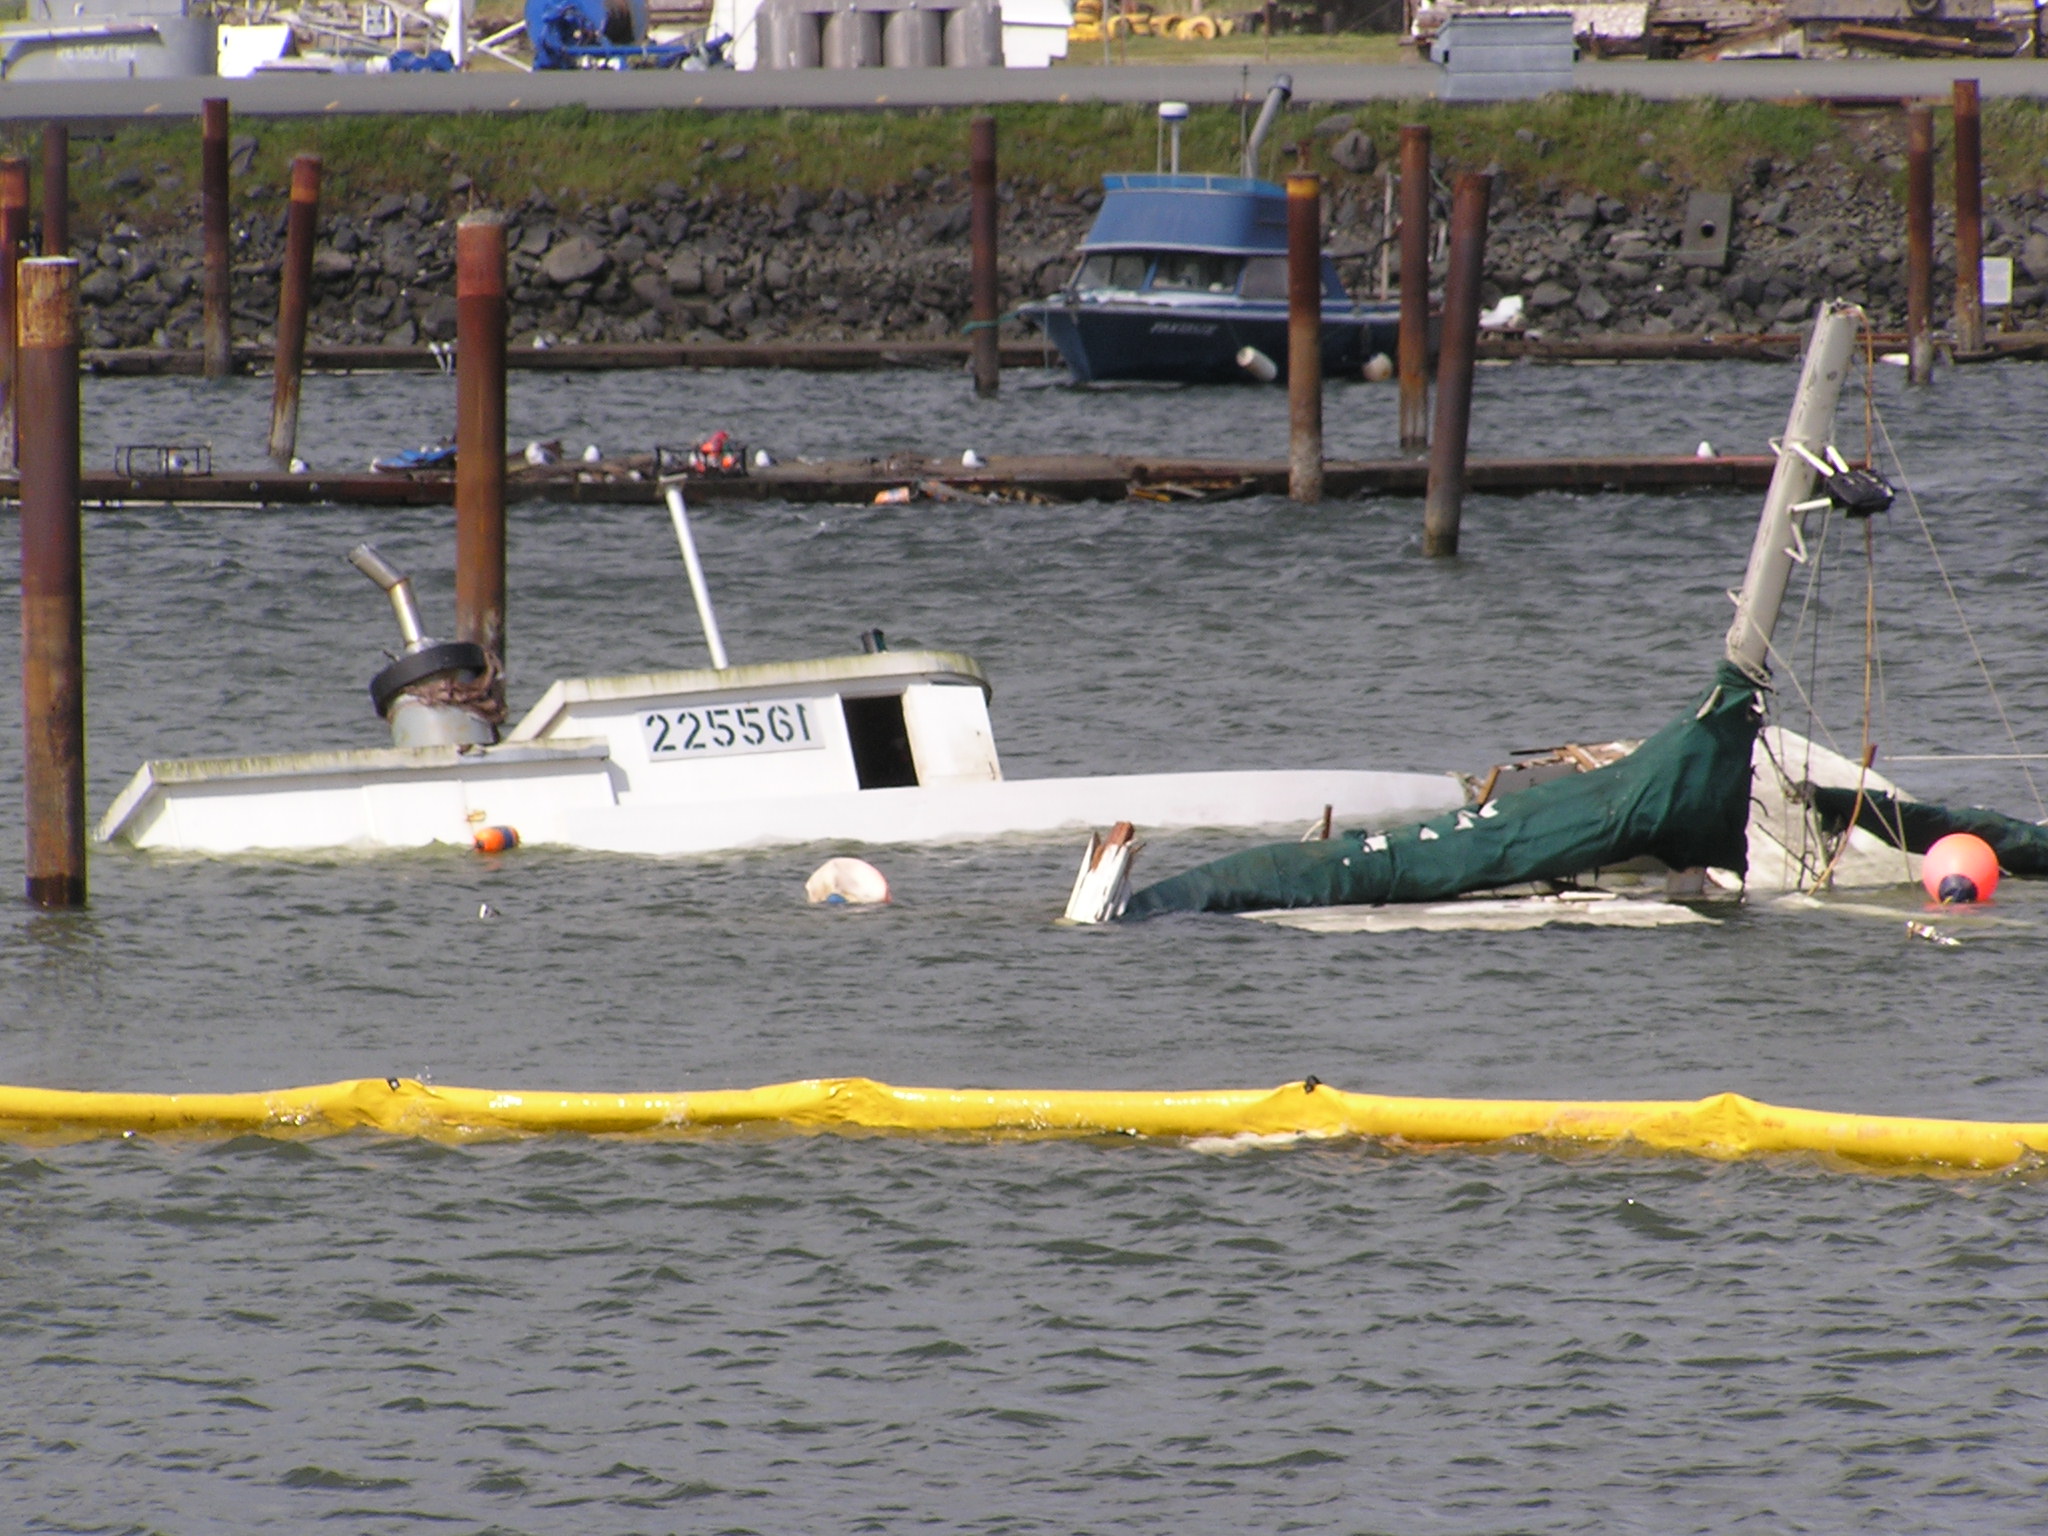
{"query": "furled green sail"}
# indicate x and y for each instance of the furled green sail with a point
(1682, 797)
(1914, 825)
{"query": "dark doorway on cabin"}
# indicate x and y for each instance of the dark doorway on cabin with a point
(881, 742)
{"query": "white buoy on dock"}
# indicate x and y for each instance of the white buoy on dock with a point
(846, 882)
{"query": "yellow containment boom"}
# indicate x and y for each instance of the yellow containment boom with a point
(1724, 1126)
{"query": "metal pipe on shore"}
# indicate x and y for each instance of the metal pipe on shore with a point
(1277, 96)
(981, 157)
(13, 247)
(480, 434)
(56, 189)
(52, 586)
(1444, 502)
(1919, 244)
(294, 295)
(1413, 350)
(1969, 219)
(1305, 337)
(213, 220)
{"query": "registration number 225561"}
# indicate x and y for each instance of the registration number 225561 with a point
(730, 730)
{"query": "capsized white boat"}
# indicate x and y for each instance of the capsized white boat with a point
(882, 747)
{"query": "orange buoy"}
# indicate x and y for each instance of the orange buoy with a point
(496, 839)
(1959, 869)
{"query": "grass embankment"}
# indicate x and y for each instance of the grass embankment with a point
(148, 173)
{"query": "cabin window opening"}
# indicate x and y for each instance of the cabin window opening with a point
(1114, 269)
(1196, 272)
(881, 742)
(1265, 277)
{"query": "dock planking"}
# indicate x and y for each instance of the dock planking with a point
(858, 356)
(1046, 478)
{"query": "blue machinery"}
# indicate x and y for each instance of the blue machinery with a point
(607, 34)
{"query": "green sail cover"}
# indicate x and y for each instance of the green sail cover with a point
(1682, 797)
(2021, 846)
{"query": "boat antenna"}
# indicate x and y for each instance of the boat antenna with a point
(1277, 96)
(679, 515)
(1781, 529)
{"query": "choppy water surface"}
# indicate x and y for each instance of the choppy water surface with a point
(772, 1334)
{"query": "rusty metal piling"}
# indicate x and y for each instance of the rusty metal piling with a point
(294, 294)
(480, 432)
(1969, 219)
(1305, 337)
(1413, 350)
(215, 341)
(1444, 501)
(1920, 244)
(52, 586)
(13, 247)
(981, 154)
(56, 189)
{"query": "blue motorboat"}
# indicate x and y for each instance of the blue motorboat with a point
(1183, 278)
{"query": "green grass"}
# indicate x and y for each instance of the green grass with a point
(1594, 142)
(1248, 48)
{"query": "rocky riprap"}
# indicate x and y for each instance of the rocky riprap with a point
(794, 266)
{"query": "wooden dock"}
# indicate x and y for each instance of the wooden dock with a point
(1047, 478)
(855, 356)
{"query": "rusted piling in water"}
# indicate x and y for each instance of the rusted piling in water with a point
(1920, 244)
(56, 189)
(1414, 343)
(294, 294)
(1969, 219)
(213, 224)
(1305, 337)
(13, 246)
(981, 156)
(52, 586)
(480, 432)
(1444, 502)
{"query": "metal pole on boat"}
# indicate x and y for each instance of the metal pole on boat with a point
(52, 586)
(1444, 502)
(1780, 535)
(56, 189)
(981, 155)
(293, 295)
(13, 240)
(1414, 343)
(1969, 219)
(215, 341)
(1305, 337)
(1920, 244)
(679, 515)
(480, 432)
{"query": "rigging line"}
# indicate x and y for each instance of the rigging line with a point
(1792, 677)
(1787, 786)
(1971, 757)
(1815, 574)
(1962, 618)
(1863, 758)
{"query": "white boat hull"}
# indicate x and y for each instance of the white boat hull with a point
(565, 798)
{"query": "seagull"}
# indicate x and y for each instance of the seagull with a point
(485, 911)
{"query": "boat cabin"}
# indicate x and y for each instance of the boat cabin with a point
(1200, 237)
(701, 741)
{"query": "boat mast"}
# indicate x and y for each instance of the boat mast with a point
(1780, 534)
